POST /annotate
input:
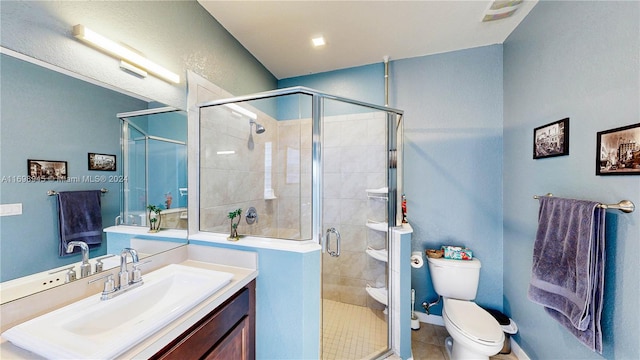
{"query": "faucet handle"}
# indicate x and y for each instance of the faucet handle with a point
(70, 275)
(99, 264)
(109, 285)
(137, 274)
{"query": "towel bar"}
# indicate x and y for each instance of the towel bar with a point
(53, 192)
(625, 206)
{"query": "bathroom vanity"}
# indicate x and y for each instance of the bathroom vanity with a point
(228, 332)
(221, 326)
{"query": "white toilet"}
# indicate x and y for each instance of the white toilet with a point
(475, 333)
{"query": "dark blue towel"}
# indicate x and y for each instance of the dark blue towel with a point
(80, 218)
(568, 266)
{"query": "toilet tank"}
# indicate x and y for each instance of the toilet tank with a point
(456, 279)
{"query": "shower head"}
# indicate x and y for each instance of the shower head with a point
(259, 128)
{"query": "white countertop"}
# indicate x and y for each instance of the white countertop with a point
(142, 230)
(299, 246)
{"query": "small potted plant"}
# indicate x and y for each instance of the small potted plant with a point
(233, 236)
(155, 220)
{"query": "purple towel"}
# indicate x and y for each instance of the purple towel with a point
(568, 266)
(80, 218)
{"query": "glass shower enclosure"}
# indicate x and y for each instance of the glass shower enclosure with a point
(154, 160)
(308, 166)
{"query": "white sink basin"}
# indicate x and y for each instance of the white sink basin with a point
(95, 329)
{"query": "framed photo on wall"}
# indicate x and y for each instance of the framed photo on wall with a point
(551, 139)
(46, 170)
(618, 151)
(103, 162)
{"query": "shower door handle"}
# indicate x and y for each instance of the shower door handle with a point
(328, 242)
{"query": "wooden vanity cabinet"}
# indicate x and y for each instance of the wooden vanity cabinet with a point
(228, 332)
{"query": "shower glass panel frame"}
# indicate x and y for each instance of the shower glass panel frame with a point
(302, 104)
(139, 149)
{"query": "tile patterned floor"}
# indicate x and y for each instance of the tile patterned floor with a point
(351, 331)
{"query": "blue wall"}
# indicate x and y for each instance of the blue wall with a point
(363, 83)
(453, 151)
(578, 60)
(453, 159)
(50, 116)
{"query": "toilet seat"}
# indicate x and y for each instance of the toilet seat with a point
(473, 322)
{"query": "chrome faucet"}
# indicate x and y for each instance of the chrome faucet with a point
(124, 274)
(110, 289)
(85, 268)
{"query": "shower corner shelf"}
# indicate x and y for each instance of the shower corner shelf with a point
(381, 255)
(378, 226)
(381, 193)
(378, 294)
(269, 194)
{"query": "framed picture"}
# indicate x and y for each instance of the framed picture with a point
(618, 151)
(103, 162)
(44, 170)
(551, 139)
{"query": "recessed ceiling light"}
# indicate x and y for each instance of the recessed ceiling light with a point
(318, 41)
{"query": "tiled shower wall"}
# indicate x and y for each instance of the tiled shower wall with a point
(239, 180)
(232, 181)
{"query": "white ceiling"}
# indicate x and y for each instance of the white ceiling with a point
(278, 33)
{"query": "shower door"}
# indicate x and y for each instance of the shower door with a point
(355, 320)
(134, 196)
(154, 155)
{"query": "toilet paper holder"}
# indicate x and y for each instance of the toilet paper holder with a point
(416, 259)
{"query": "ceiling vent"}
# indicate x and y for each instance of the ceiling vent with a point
(501, 9)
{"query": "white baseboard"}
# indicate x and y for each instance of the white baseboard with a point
(430, 319)
(517, 351)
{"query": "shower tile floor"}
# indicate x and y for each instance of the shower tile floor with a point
(351, 331)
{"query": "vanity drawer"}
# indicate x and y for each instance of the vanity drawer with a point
(232, 323)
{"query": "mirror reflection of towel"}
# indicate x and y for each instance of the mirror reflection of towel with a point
(568, 266)
(79, 218)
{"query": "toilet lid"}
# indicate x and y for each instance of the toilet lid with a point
(473, 321)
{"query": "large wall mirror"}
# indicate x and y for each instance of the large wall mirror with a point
(52, 115)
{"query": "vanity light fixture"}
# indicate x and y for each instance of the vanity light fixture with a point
(121, 52)
(132, 69)
(318, 41)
